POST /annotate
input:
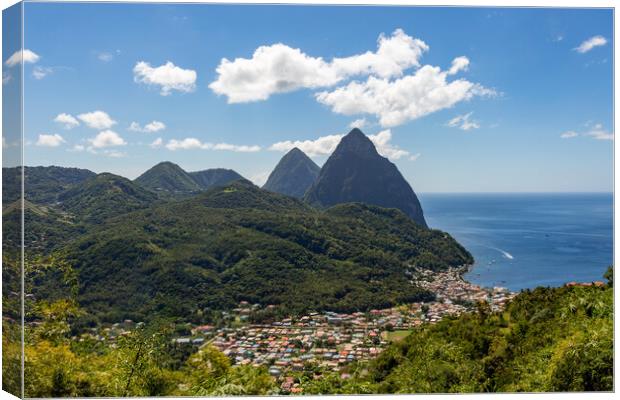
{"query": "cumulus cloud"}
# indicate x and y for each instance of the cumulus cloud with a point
(107, 138)
(193, 143)
(260, 178)
(167, 77)
(68, 121)
(97, 120)
(28, 57)
(591, 43)
(321, 146)
(382, 142)
(395, 102)
(53, 140)
(459, 64)
(279, 68)
(463, 122)
(325, 145)
(359, 123)
(151, 127)
(157, 143)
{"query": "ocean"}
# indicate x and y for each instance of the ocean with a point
(523, 241)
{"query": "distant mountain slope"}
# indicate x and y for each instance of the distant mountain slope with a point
(239, 242)
(41, 184)
(45, 227)
(168, 178)
(105, 196)
(355, 172)
(214, 177)
(293, 175)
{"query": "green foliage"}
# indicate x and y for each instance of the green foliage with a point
(105, 196)
(168, 180)
(546, 340)
(225, 246)
(609, 275)
(41, 184)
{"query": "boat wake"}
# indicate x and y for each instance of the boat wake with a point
(504, 253)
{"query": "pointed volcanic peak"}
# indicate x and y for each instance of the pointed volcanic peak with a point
(214, 177)
(293, 175)
(356, 172)
(105, 196)
(167, 178)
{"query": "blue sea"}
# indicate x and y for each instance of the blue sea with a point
(526, 240)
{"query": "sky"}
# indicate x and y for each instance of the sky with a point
(460, 99)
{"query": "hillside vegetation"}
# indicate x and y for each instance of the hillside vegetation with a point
(240, 242)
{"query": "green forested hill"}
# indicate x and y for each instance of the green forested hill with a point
(104, 196)
(209, 178)
(548, 339)
(168, 179)
(240, 242)
(41, 184)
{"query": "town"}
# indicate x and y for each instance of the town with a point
(329, 340)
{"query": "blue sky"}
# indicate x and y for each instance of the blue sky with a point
(460, 99)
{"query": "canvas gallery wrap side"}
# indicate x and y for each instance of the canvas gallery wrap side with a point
(223, 199)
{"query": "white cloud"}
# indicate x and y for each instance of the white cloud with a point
(322, 146)
(595, 131)
(359, 123)
(68, 121)
(382, 142)
(168, 77)
(236, 148)
(41, 72)
(185, 144)
(153, 126)
(97, 120)
(398, 101)
(569, 134)
(260, 178)
(459, 64)
(193, 143)
(107, 138)
(157, 143)
(591, 43)
(599, 133)
(77, 148)
(414, 157)
(113, 153)
(279, 68)
(28, 57)
(325, 145)
(105, 56)
(53, 140)
(463, 122)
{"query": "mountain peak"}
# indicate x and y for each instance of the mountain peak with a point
(356, 141)
(215, 177)
(356, 172)
(168, 177)
(293, 175)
